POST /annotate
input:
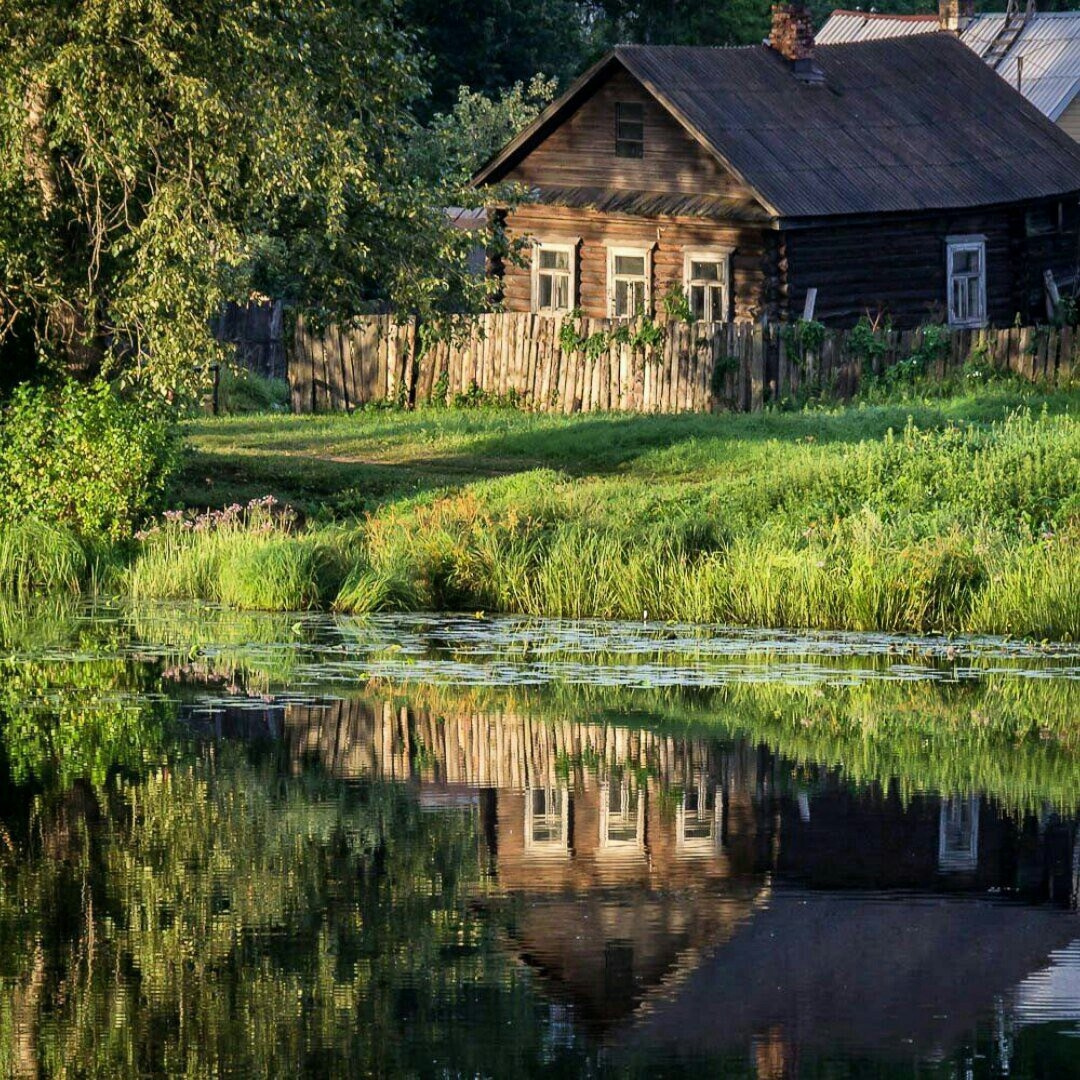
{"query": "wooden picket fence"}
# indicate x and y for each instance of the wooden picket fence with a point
(702, 367)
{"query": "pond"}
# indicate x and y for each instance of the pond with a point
(305, 845)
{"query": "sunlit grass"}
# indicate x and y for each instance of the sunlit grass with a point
(949, 516)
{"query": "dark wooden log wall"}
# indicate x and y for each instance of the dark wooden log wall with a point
(1041, 248)
(753, 268)
(898, 265)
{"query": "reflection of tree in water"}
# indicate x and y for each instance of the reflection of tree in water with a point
(277, 909)
(219, 914)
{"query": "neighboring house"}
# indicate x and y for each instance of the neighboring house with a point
(1037, 52)
(899, 175)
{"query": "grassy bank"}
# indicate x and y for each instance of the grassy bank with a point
(956, 515)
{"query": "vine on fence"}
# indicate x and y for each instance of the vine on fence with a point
(676, 305)
(868, 341)
(647, 335)
(801, 337)
(935, 341)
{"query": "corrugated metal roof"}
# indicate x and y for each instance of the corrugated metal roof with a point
(842, 27)
(899, 125)
(1049, 45)
(914, 123)
(652, 203)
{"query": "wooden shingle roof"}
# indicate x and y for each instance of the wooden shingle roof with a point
(905, 124)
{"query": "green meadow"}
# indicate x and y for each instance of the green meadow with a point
(950, 515)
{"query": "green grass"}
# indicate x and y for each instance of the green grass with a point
(950, 515)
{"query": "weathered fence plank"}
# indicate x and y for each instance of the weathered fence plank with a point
(698, 367)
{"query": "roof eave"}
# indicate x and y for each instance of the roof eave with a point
(1065, 101)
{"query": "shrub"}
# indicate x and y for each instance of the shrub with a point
(244, 391)
(84, 458)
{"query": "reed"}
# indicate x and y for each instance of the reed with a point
(37, 558)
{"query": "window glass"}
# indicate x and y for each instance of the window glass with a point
(706, 287)
(628, 283)
(629, 130)
(553, 279)
(551, 259)
(706, 271)
(967, 282)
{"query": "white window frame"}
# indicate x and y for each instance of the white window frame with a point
(569, 248)
(553, 819)
(958, 835)
(633, 252)
(627, 822)
(954, 246)
(698, 830)
(714, 255)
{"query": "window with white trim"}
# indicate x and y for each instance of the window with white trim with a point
(629, 274)
(622, 814)
(547, 820)
(967, 280)
(705, 277)
(553, 277)
(699, 819)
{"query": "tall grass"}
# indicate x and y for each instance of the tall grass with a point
(247, 557)
(960, 528)
(37, 558)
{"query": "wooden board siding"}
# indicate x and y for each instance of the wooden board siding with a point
(752, 262)
(1069, 120)
(898, 266)
(581, 151)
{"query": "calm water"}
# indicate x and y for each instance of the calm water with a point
(263, 846)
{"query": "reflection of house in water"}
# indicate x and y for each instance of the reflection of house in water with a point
(689, 890)
(618, 856)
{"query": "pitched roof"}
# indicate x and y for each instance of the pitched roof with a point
(847, 26)
(902, 124)
(1050, 47)
(1048, 43)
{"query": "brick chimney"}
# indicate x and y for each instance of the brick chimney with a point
(955, 15)
(792, 33)
(792, 36)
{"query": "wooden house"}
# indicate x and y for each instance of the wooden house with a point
(899, 176)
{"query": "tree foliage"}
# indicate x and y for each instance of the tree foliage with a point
(159, 157)
(456, 143)
(82, 457)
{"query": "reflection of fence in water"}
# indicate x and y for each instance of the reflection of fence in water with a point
(504, 750)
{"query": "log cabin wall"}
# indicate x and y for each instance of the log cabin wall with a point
(754, 282)
(1047, 237)
(897, 265)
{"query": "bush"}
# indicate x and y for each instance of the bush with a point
(244, 391)
(85, 458)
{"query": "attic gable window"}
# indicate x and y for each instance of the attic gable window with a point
(966, 261)
(629, 129)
